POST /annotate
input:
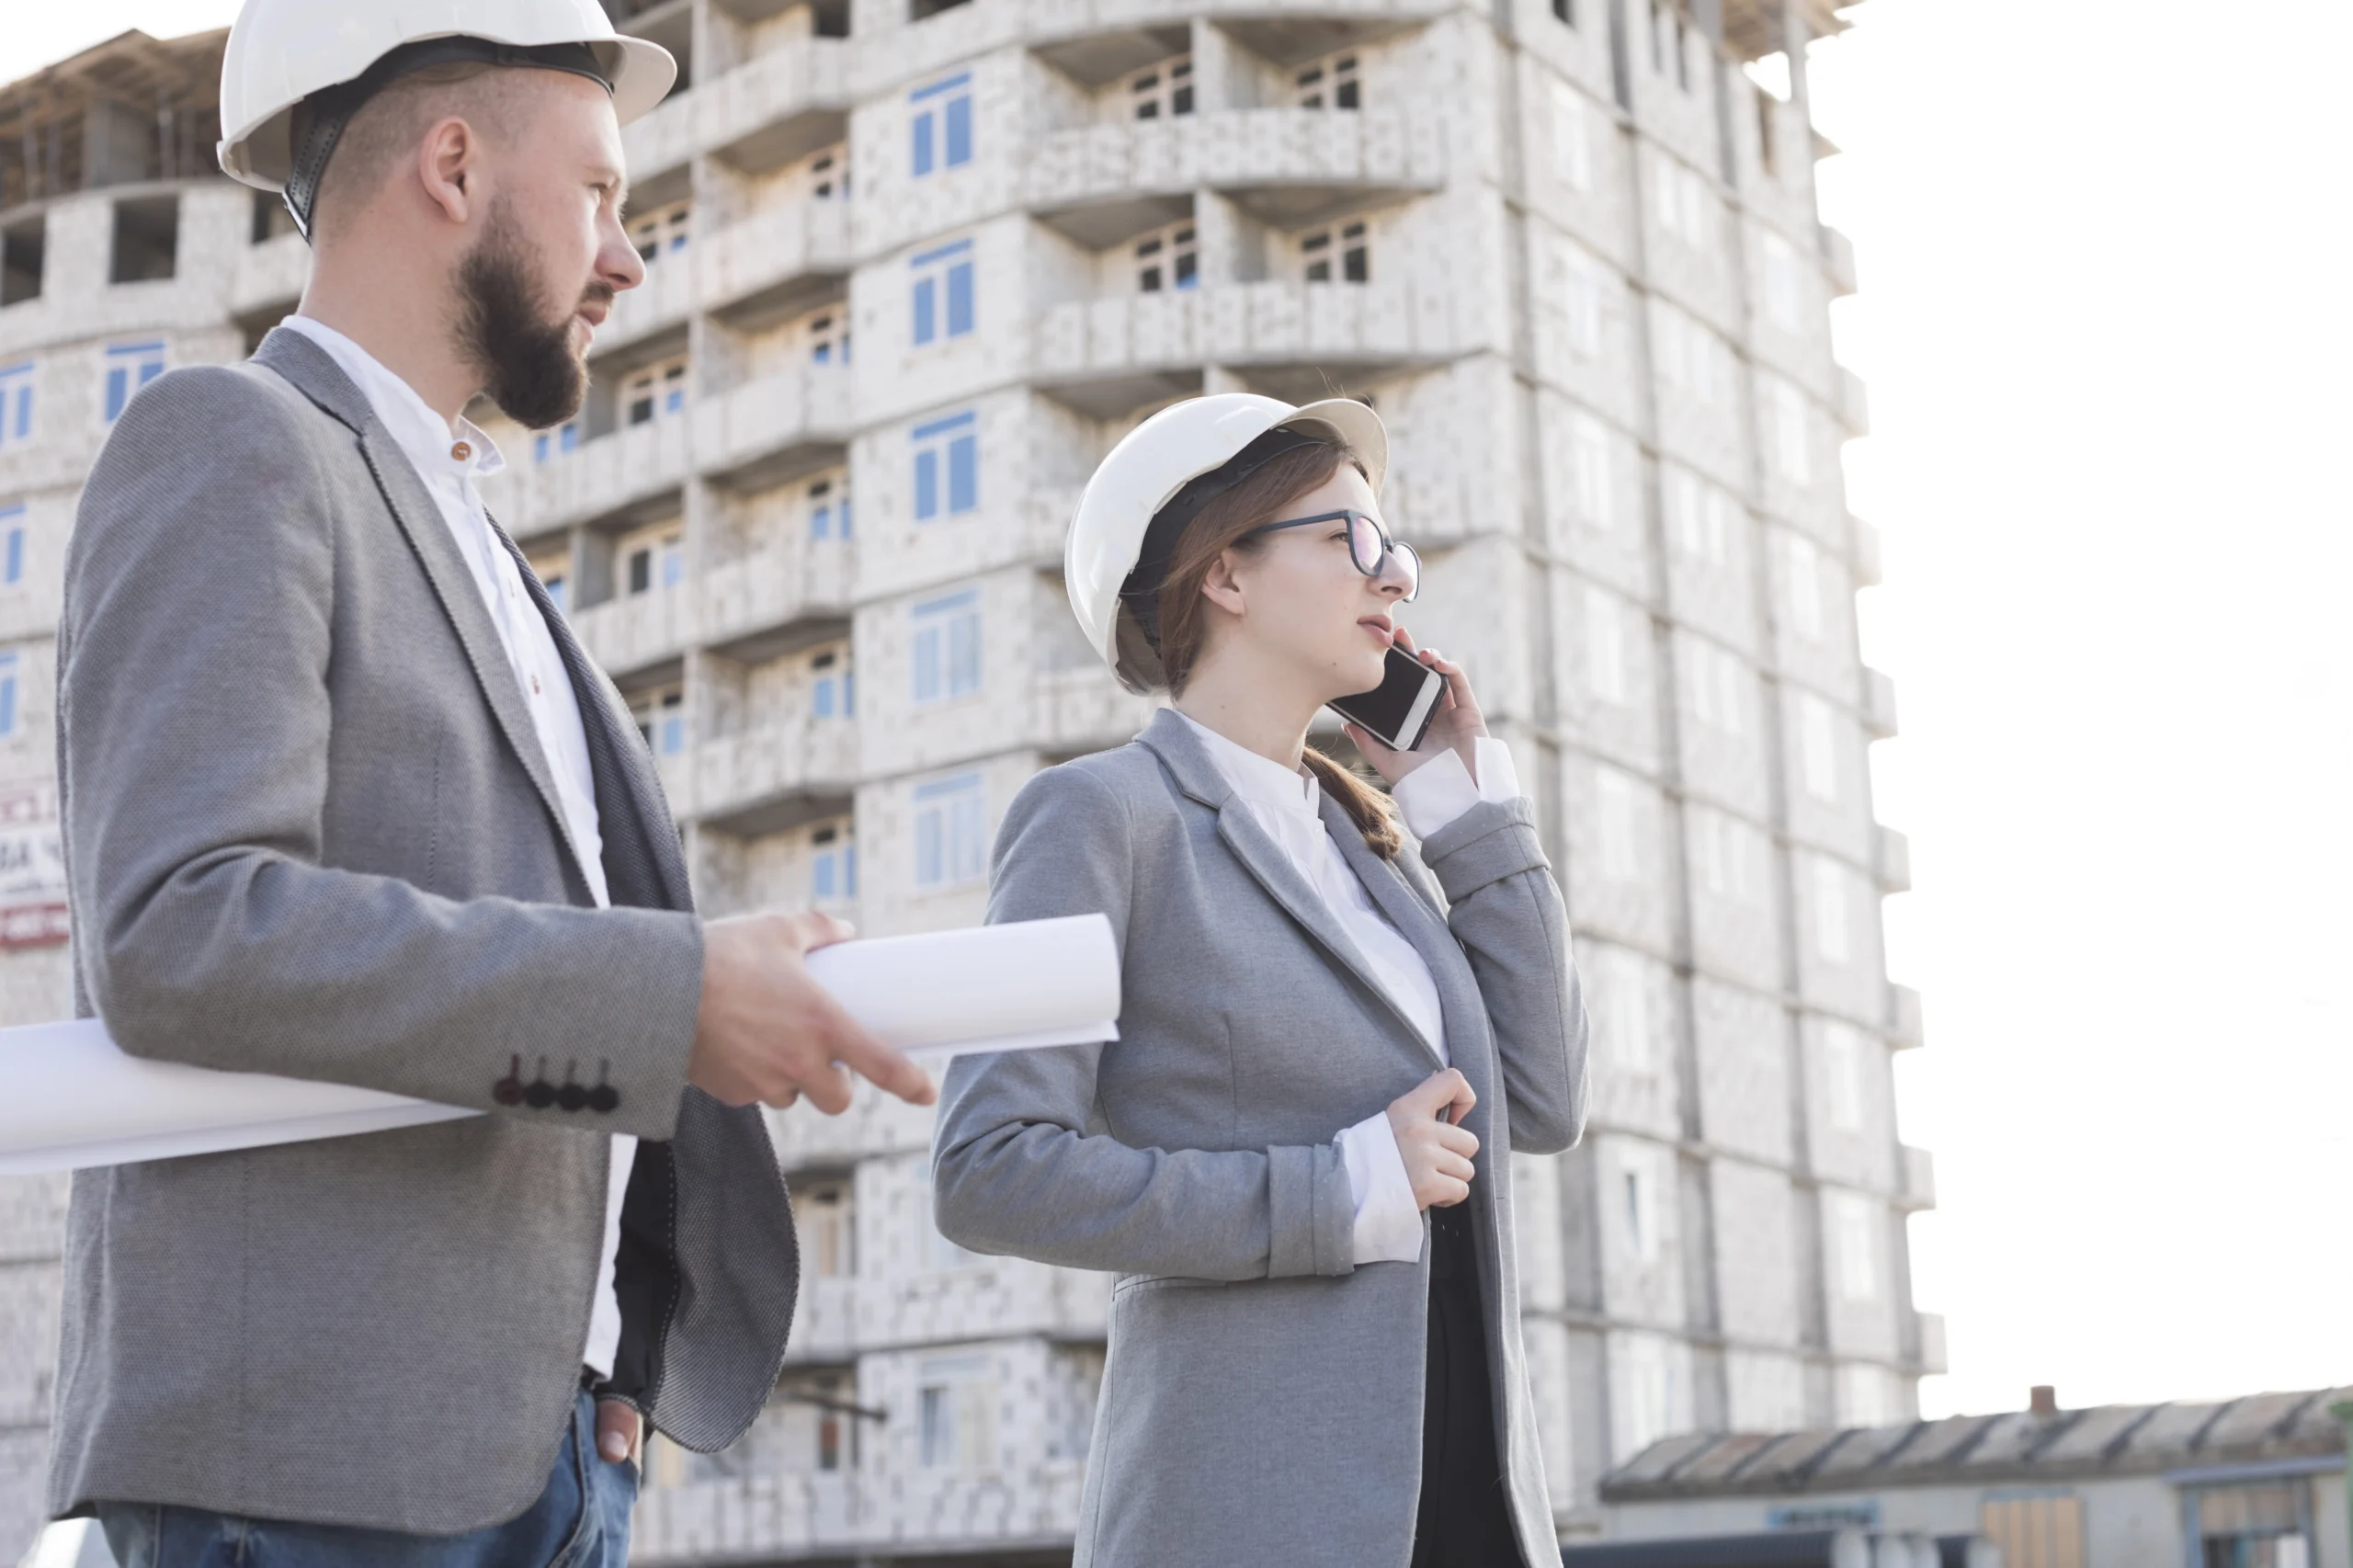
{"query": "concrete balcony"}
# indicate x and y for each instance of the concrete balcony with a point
(1879, 705)
(1286, 165)
(772, 109)
(1106, 357)
(776, 596)
(1839, 260)
(766, 779)
(609, 474)
(762, 259)
(632, 632)
(1919, 1191)
(270, 275)
(1892, 860)
(775, 1515)
(1905, 1031)
(1084, 710)
(824, 1321)
(1932, 1359)
(1870, 553)
(1854, 403)
(760, 432)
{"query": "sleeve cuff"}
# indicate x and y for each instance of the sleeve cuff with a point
(1388, 1221)
(1436, 794)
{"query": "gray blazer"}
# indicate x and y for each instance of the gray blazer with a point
(309, 831)
(1262, 1402)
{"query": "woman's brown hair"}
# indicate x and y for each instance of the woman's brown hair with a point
(1184, 624)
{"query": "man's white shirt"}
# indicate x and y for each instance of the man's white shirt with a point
(448, 461)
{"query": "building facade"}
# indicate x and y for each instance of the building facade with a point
(2251, 1483)
(911, 268)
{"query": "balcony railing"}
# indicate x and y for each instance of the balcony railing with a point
(1253, 150)
(631, 632)
(775, 583)
(271, 273)
(735, 432)
(1084, 710)
(732, 262)
(795, 1513)
(768, 766)
(1249, 324)
(745, 109)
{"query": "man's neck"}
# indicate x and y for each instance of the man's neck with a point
(413, 343)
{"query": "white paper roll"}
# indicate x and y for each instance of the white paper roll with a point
(69, 1097)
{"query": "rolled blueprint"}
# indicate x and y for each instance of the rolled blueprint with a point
(69, 1097)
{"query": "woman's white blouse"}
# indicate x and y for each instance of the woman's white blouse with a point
(1286, 804)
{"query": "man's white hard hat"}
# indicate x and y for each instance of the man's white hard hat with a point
(1144, 473)
(281, 52)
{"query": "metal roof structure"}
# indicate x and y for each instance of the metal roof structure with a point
(2098, 1441)
(134, 107)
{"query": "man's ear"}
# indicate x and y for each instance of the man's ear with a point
(448, 166)
(1221, 586)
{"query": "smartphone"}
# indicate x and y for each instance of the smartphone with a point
(1399, 711)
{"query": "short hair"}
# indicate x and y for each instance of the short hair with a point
(386, 128)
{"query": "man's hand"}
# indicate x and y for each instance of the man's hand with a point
(1436, 1152)
(619, 1432)
(769, 1034)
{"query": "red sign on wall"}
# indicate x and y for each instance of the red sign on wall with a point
(32, 868)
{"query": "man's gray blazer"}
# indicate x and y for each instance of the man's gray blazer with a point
(311, 831)
(1262, 1402)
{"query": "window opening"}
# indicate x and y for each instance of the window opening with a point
(663, 231)
(1163, 90)
(146, 239)
(15, 405)
(940, 128)
(1169, 259)
(1334, 80)
(943, 287)
(1353, 249)
(23, 249)
(130, 366)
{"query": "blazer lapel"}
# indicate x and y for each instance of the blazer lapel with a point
(1458, 989)
(310, 367)
(1196, 775)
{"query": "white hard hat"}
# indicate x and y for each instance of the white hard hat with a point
(282, 52)
(1152, 464)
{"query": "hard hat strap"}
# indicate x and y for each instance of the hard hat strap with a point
(1141, 592)
(331, 108)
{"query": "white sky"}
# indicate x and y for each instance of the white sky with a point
(2105, 325)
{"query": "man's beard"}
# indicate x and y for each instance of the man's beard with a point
(527, 363)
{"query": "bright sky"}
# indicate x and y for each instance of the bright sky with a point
(2109, 346)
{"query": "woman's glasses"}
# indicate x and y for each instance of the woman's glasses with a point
(1369, 547)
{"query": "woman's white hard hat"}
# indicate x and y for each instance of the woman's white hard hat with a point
(281, 52)
(1144, 472)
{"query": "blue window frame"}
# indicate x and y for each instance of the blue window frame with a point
(834, 696)
(130, 366)
(946, 449)
(16, 403)
(946, 269)
(551, 443)
(946, 643)
(832, 872)
(8, 695)
(940, 127)
(12, 545)
(951, 826)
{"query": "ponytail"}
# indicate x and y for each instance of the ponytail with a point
(1372, 813)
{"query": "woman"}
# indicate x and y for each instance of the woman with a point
(1331, 1039)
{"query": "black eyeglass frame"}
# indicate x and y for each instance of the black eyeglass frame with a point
(1388, 546)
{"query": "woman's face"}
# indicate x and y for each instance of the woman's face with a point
(1304, 605)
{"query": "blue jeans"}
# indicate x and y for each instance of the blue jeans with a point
(581, 1520)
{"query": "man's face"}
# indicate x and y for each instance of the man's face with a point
(551, 254)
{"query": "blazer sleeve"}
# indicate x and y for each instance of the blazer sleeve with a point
(1015, 1168)
(1507, 912)
(193, 718)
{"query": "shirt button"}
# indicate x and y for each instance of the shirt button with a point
(535, 686)
(461, 451)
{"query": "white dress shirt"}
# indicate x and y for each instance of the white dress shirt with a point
(448, 461)
(1286, 804)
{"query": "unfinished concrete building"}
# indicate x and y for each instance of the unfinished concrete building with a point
(912, 267)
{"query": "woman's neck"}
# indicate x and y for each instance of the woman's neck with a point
(1247, 709)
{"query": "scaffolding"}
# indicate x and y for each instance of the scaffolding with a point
(131, 109)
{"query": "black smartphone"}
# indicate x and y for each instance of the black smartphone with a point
(1399, 711)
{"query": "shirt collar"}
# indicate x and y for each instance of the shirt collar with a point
(421, 434)
(1259, 780)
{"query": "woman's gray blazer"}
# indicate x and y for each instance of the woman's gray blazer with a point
(1262, 1402)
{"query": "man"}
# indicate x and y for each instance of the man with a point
(343, 801)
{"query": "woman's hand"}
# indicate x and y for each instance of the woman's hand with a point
(1436, 1152)
(1456, 726)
